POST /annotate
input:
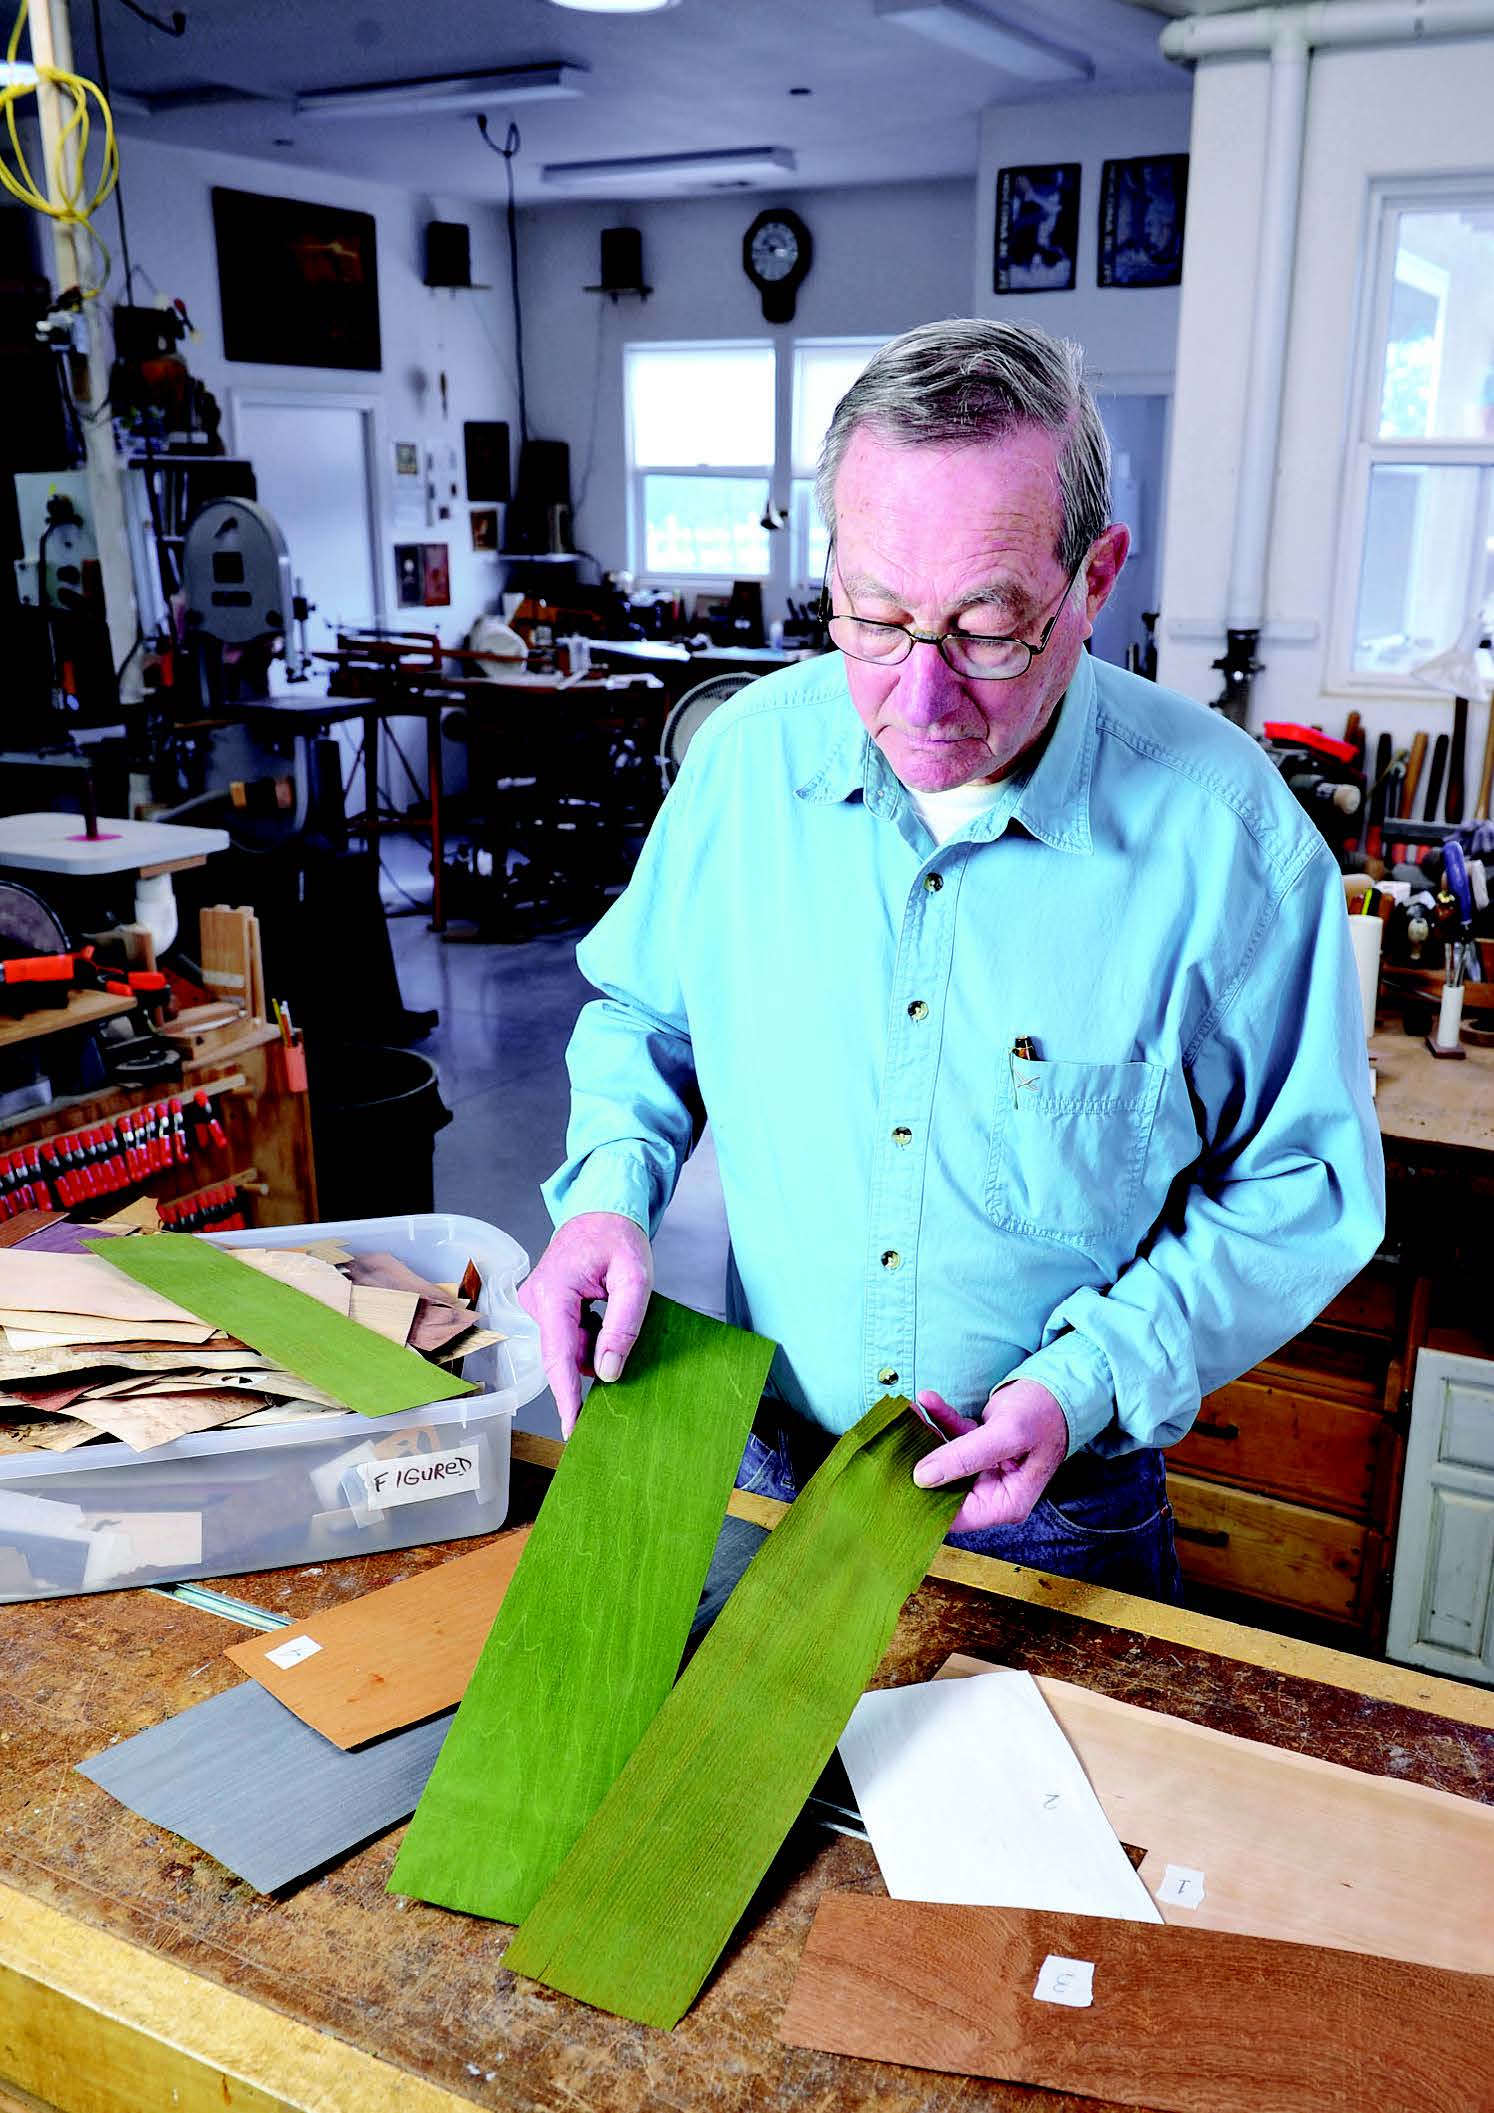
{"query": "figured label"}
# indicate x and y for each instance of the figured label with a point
(1070, 1981)
(286, 1655)
(411, 1481)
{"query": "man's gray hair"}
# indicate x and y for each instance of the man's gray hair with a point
(966, 381)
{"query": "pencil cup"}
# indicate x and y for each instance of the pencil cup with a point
(1366, 933)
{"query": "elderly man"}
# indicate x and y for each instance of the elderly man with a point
(1018, 992)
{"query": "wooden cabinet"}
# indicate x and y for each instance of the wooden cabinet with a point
(1286, 1488)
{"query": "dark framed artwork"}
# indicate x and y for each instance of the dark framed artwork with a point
(409, 574)
(485, 528)
(1037, 228)
(485, 442)
(1143, 203)
(298, 283)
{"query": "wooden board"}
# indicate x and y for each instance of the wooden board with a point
(84, 1008)
(1290, 1847)
(392, 1657)
(1188, 2021)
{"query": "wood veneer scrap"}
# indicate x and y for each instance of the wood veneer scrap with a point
(1190, 2021)
(392, 1657)
(588, 1640)
(640, 1910)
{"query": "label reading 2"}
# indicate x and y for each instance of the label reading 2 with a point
(387, 1482)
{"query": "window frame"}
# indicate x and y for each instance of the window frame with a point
(1366, 450)
(695, 582)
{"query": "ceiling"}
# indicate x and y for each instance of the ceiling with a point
(708, 74)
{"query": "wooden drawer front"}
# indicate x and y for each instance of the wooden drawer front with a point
(1370, 1302)
(1240, 1542)
(1287, 1444)
(1334, 1361)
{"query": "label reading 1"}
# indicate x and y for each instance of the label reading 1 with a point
(1181, 1887)
(286, 1655)
(1070, 1981)
(387, 1482)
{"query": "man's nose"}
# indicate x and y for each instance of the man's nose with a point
(928, 689)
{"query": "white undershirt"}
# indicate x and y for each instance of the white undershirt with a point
(945, 814)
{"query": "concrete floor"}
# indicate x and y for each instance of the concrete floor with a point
(506, 1016)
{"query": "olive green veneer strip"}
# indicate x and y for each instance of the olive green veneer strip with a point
(328, 1351)
(638, 1913)
(589, 1637)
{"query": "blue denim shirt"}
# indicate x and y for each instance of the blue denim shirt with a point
(1182, 1177)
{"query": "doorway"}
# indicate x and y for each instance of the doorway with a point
(1137, 426)
(314, 458)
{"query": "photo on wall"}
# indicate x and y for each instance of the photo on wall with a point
(1037, 228)
(1142, 207)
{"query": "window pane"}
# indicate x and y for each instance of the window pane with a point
(700, 405)
(1415, 589)
(822, 375)
(1438, 378)
(705, 524)
(811, 539)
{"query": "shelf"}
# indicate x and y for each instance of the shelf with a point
(83, 1009)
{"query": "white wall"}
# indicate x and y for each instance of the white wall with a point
(424, 331)
(885, 258)
(1398, 112)
(1128, 332)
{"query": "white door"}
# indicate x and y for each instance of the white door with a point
(1442, 1602)
(1137, 427)
(313, 460)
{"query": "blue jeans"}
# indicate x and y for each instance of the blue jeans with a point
(1107, 1521)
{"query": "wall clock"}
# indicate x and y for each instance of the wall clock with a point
(776, 255)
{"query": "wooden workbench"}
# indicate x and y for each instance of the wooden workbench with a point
(137, 1973)
(1426, 1103)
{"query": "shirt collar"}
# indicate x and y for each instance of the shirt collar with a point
(1051, 799)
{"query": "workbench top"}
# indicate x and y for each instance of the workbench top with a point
(1436, 1104)
(340, 1997)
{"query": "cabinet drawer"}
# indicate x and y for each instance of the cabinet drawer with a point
(1371, 1302)
(1336, 1362)
(1287, 1444)
(1241, 1542)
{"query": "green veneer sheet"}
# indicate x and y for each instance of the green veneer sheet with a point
(370, 1374)
(638, 1913)
(589, 1637)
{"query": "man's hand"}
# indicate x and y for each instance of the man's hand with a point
(1012, 1452)
(599, 1255)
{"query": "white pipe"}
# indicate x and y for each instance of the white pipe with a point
(1286, 125)
(1325, 24)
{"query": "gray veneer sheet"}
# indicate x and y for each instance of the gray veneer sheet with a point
(245, 1779)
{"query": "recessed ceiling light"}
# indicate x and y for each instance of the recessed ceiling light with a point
(616, 7)
(442, 94)
(639, 174)
(964, 27)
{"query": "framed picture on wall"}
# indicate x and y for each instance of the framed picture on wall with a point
(299, 284)
(409, 575)
(1037, 228)
(485, 528)
(1143, 203)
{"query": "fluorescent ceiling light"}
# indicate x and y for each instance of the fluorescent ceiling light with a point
(975, 34)
(617, 7)
(446, 93)
(727, 166)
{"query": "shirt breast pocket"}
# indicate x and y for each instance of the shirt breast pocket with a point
(1068, 1148)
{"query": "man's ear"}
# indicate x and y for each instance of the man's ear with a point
(1104, 569)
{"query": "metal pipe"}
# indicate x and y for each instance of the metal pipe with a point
(1325, 25)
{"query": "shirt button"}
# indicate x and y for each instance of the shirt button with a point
(932, 883)
(902, 1136)
(891, 1259)
(918, 1010)
(886, 1377)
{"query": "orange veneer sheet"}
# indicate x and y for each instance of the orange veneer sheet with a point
(393, 1657)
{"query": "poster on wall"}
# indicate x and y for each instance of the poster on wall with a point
(409, 575)
(1142, 207)
(409, 488)
(1037, 228)
(437, 575)
(298, 283)
(485, 528)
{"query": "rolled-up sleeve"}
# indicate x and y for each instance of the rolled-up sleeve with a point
(1287, 1202)
(635, 1109)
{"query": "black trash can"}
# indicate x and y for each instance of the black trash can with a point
(374, 1116)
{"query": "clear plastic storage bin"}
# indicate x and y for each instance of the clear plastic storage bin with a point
(271, 1496)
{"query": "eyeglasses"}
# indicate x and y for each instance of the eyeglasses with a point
(968, 653)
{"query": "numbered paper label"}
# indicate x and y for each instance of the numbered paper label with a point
(286, 1655)
(1181, 1887)
(411, 1481)
(1070, 1981)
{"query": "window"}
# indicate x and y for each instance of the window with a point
(715, 432)
(701, 423)
(1421, 493)
(823, 371)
